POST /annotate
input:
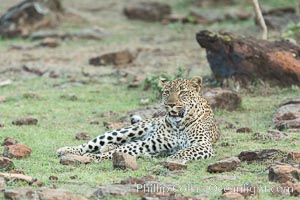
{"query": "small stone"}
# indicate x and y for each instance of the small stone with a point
(225, 165)
(49, 42)
(113, 125)
(73, 177)
(17, 171)
(223, 99)
(115, 58)
(274, 135)
(294, 188)
(280, 190)
(57, 194)
(247, 191)
(37, 183)
(82, 136)
(25, 121)
(53, 178)
(71, 159)
(16, 151)
(124, 161)
(70, 97)
(284, 173)
(6, 163)
(174, 165)
(244, 130)
(95, 122)
(294, 156)
(2, 125)
(9, 141)
(147, 11)
(232, 196)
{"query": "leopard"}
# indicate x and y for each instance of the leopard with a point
(186, 132)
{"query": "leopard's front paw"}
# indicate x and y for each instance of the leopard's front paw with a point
(67, 150)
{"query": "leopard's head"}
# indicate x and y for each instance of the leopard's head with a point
(180, 95)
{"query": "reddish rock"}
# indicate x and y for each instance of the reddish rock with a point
(132, 180)
(82, 136)
(19, 193)
(174, 165)
(124, 161)
(246, 59)
(6, 163)
(9, 141)
(284, 173)
(282, 189)
(294, 156)
(113, 58)
(264, 155)
(147, 11)
(294, 188)
(244, 130)
(232, 196)
(223, 99)
(71, 159)
(225, 165)
(16, 151)
(25, 121)
(247, 191)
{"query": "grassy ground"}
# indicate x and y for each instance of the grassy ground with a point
(60, 118)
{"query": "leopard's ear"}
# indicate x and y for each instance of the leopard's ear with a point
(162, 82)
(197, 82)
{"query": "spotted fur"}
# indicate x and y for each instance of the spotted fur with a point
(187, 132)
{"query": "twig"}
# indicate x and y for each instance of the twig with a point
(260, 19)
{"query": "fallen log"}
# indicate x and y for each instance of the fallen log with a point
(247, 59)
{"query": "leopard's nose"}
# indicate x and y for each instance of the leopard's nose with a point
(171, 105)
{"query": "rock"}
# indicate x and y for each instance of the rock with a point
(25, 121)
(287, 115)
(49, 42)
(271, 135)
(2, 125)
(35, 71)
(225, 165)
(73, 177)
(70, 97)
(232, 196)
(124, 161)
(174, 165)
(281, 190)
(293, 188)
(132, 180)
(6, 163)
(237, 15)
(147, 188)
(247, 191)
(2, 184)
(9, 141)
(94, 122)
(147, 11)
(28, 16)
(17, 171)
(175, 18)
(246, 59)
(223, 99)
(284, 173)
(18, 177)
(19, 193)
(71, 159)
(244, 130)
(82, 136)
(41, 194)
(264, 155)
(89, 34)
(16, 151)
(5, 82)
(58, 194)
(2, 99)
(53, 178)
(113, 125)
(113, 58)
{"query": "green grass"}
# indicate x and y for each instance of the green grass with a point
(60, 119)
